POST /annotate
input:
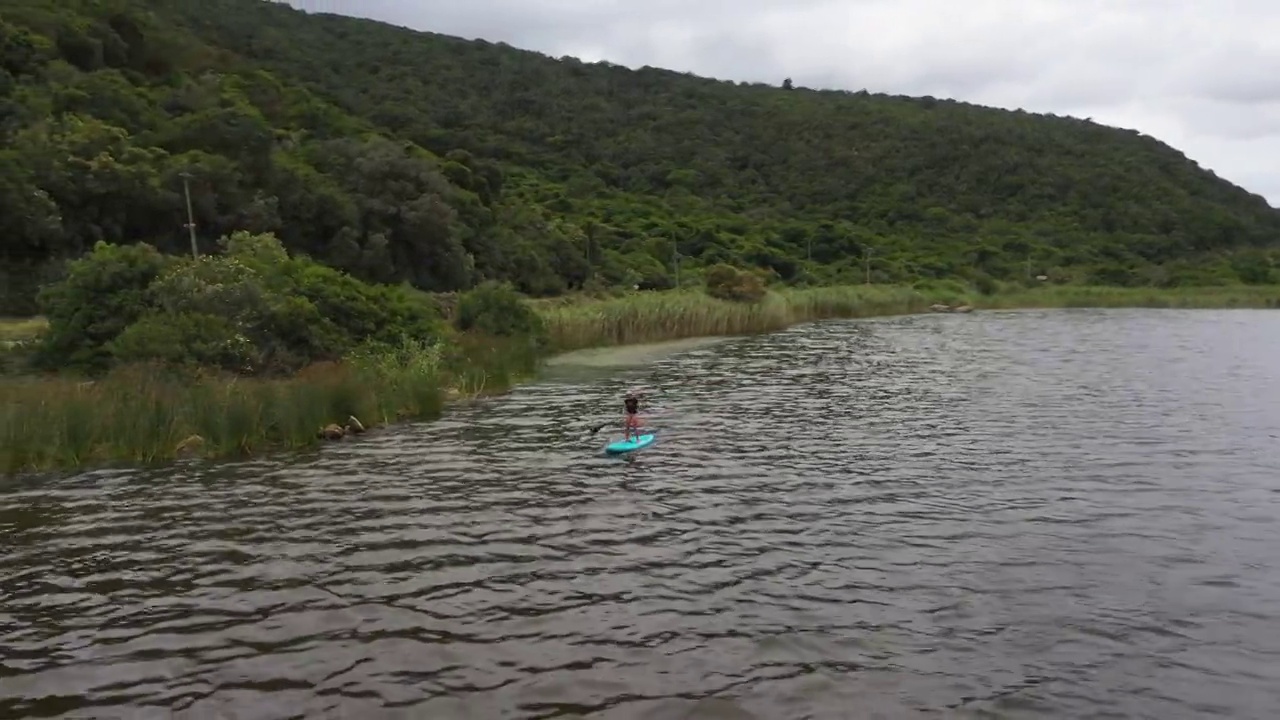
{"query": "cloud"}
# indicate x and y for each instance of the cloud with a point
(1197, 74)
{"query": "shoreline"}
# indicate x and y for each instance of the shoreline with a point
(634, 354)
(585, 332)
(578, 323)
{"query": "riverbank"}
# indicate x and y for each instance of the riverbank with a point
(578, 323)
(139, 415)
(575, 324)
(1192, 298)
(145, 414)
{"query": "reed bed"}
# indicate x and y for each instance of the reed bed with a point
(141, 415)
(1072, 296)
(478, 365)
(857, 301)
(655, 317)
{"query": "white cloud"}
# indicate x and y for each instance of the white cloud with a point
(1200, 75)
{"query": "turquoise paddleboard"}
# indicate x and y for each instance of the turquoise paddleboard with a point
(626, 446)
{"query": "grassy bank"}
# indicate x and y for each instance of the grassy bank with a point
(1204, 298)
(138, 414)
(143, 414)
(654, 317)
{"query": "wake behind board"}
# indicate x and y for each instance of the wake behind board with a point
(625, 446)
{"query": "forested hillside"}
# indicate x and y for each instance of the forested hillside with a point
(404, 156)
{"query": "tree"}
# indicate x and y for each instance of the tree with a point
(464, 162)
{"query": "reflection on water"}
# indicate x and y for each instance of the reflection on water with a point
(1040, 514)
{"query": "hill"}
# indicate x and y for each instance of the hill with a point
(412, 157)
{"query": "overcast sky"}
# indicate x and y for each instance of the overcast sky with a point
(1201, 75)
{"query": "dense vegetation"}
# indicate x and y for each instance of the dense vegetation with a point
(410, 158)
(242, 350)
(251, 310)
(144, 412)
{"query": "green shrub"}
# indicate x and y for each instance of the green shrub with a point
(726, 282)
(265, 326)
(262, 251)
(251, 309)
(410, 315)
(293, 332)
(186, 338)
(361, 311)
(985, 284)
(210, 284)
(101, 295)
(1253, 268)
(496, 309)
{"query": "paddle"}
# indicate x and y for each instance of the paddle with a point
(600, 427)
(641, 395)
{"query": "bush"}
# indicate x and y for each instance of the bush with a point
(496, 309)
(359, 311)
(101, 295)
(263, 325)
(186, 338)
(252, 309)
(985, 284)
(214, 285)
(409, 314)
(726, 282)
(1253, 267)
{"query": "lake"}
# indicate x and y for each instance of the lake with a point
(1039, 514)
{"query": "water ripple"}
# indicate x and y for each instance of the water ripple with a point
(1036, 514)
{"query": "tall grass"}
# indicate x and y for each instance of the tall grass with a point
(142, 414)
(653, 317)
(480, 365)
(1067, 296)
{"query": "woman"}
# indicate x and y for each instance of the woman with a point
(631, 419)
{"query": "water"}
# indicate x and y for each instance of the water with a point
(1038, 514)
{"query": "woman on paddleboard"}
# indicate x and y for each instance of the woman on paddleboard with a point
(631, 420)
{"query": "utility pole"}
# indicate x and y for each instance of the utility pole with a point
(866, 262)
(191, 221)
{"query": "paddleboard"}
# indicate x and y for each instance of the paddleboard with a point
(626, 446)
